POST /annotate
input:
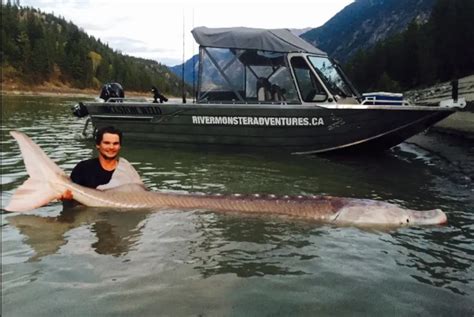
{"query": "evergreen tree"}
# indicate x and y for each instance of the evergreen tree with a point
(439, 50)
(41, 46)
(41, 66)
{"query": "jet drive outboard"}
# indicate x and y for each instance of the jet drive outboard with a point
(112, 92)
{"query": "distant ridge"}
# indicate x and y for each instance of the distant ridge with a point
(439, 50)
(363, 23)
(190, 70)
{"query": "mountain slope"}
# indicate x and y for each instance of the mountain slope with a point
(41, 48)
(366, 22)
(439, 50)
(190, 72)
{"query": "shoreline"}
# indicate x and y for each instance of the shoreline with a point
(49, 89)
(46, 93)
(73, 92)
(60, 90)
(460, 124)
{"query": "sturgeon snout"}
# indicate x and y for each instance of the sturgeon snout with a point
(427, 217)
(366, 212)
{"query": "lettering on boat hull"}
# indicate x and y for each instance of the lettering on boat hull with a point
(258, 121)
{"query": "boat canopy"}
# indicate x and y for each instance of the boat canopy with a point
(274, 40)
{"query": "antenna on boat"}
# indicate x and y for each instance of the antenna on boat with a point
(194, 68)
(182, 67)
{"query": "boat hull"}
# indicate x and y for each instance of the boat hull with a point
(292, 128)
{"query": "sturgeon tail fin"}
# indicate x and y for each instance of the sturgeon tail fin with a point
(36, 190)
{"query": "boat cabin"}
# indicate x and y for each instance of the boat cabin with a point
(258, 66)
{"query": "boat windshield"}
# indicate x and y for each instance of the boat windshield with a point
(330, 75)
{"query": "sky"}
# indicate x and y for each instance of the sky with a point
(154, 29)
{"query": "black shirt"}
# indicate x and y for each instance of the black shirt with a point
(89, 173)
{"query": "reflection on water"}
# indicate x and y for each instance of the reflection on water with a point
(116, 231)
(251, 247)
(171, 262)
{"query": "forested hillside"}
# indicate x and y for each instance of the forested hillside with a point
(440, 50)
(363, 23)
(39, 47)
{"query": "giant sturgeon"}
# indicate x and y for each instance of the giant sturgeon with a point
(48, 181)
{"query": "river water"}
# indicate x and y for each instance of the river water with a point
(104, 262)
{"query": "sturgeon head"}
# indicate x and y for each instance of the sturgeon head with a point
(370, 212)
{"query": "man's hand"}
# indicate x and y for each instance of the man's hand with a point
(67, 195)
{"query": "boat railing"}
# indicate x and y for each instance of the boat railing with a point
(384, 98)
(390, 102)
(263, 103)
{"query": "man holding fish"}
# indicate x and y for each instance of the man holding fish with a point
(106, 170)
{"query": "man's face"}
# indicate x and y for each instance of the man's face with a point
(109, 147)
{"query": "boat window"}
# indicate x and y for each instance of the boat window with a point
(330, 76)
(310, 88)
(271, 83)
(222, 76)
(245, 76)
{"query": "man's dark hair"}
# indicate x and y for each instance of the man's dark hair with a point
(100, 134)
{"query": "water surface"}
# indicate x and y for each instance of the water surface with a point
(86, 261)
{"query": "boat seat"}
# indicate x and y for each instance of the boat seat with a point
(278, 94)
(263, 89)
